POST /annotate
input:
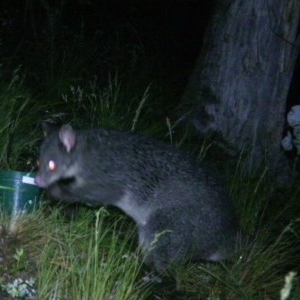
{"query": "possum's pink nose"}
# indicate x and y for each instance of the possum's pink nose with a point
(39, 182)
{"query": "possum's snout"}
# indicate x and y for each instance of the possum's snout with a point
(40, 182)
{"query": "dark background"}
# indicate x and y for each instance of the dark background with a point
(165, 34)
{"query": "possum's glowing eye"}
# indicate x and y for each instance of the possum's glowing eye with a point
(52, 165)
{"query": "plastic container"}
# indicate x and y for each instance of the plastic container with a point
(18, 193)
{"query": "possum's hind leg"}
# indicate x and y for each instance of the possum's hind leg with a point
(162, 244)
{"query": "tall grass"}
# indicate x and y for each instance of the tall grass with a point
(18, 130)
(89, 260)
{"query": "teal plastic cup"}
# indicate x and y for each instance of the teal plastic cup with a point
(18, 193)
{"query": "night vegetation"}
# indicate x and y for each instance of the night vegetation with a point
(56, 65)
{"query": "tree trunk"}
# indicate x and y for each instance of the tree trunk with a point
(240, 83)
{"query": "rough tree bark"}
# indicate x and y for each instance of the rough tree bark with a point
(240, 83)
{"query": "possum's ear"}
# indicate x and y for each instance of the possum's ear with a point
(67, 136)
(49, 127)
